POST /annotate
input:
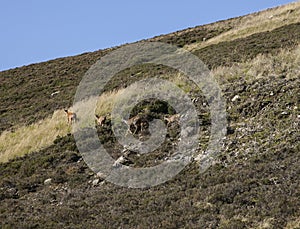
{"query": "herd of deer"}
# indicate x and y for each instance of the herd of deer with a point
(137, 122)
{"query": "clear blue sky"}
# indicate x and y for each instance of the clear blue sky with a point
(35, 30)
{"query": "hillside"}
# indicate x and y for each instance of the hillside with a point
(254, 182)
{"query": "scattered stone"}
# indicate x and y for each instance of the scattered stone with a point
(195, 100)
(100, 175)
(48, 181)
(229, 130)
(122, 160)
(235, 98)
(11, 193)
(55, 93)
(96, 182)
(189, 131)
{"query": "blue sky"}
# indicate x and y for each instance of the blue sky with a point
(33, 31)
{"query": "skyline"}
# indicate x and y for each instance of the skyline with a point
(35, 31)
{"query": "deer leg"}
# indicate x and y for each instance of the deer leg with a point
(135, 128)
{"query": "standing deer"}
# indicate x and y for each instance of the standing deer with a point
(136, 121)
(100, 120)
(172, 118)
(71, 116)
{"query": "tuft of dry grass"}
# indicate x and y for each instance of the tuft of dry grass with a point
(293, 224)
(181, 81)
(263, 21)
(266, 223)
(106, 101)
(34, 137)
(286, 62)
(26, 139)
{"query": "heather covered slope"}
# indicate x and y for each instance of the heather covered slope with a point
(255, 182)
(26, 92)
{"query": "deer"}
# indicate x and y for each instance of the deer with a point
(136, 121)
(71, 116)
(100, 120)
(172, 118)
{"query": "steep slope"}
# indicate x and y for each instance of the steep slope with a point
(254, 182)
(26, 91)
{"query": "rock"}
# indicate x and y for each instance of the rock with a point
(55, 93)
(96, 182)
(100, 175)
(11, 193)
(235, 98)
(189, 131)
(122, 160)
(48, 181)
(229, 130)
(195, 100)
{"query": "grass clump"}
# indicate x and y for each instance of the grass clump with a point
(34, 137)
(285, 63)
(248, 25)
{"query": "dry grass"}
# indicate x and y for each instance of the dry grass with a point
(293, 224)
(266, 223)
(27, 139)
(34, 137)
(182, 82)
(286, 62)
(255, 23)
(106, 101)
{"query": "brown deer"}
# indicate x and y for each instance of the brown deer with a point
(171, 118)
(136, 122)
(71, 116)
(100, 119)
